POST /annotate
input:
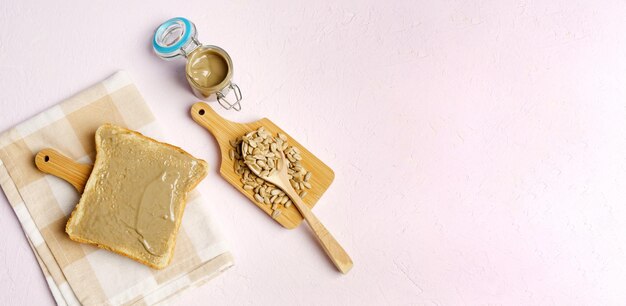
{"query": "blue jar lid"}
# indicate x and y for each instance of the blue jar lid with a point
(174, 37)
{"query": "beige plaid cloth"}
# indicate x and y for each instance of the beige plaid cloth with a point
(79, 273)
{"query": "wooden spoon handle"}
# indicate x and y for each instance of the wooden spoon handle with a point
(52, 162)
(333, 249)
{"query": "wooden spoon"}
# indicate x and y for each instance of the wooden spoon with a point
(333, 249)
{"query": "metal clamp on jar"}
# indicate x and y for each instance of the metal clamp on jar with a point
(209, 69)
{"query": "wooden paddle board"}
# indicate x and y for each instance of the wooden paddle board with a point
(225, 131)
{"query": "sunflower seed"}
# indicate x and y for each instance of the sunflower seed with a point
(254, 167)
(275, 214)
(275, 192)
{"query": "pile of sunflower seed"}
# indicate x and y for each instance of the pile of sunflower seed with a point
(262, 154)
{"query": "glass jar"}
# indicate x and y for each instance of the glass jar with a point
(209, 69)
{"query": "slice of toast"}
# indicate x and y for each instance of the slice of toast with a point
(134, 199)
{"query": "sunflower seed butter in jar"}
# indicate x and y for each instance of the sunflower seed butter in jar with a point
(209, 69)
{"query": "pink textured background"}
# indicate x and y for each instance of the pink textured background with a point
(479, 147)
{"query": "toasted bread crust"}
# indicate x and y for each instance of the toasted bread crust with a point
(166, 259)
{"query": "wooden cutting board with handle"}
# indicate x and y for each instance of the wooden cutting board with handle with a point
(225, 131)
(52, 162)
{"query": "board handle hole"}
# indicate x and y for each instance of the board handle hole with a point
(46, 158)
(201, 112)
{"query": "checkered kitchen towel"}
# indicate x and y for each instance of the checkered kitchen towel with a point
(79, 273)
